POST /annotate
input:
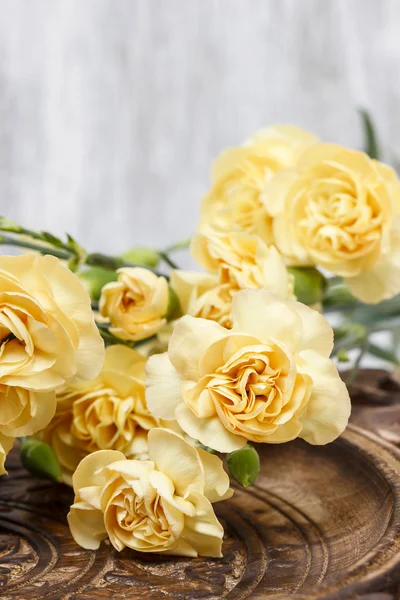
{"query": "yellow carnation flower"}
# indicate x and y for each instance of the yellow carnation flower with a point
(269, 379)
(239, 175)
(235, 261)
(108, 413)
(163, 505)
(48, 337)
(339, 209)
(136, 304)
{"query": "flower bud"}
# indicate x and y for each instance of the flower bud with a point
(244, 465)
(95, 278)
(142, 257)
(309, 284)
(40, 459)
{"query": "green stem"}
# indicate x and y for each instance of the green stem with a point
(9, 241)
(183, 245)
(112, 262)
(164, 256)
(353, 374)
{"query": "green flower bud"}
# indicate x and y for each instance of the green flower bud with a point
(244, 465)
(342, 356)
(95, 278)
(174, 308)
(309, 284)
(40, 459)
(144, 257)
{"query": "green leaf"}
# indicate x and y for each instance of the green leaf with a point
(40, 459)
(10, 225)
(371, 146)
(51, 239)
(383, 353)
(244, 465)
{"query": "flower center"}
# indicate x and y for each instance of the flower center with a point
(338, 216)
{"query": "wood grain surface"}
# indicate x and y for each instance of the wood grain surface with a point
(320, 523)
(111, 111)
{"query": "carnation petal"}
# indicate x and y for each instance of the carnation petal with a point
(210, 432)
(203, 531)
(263, 315)
(31, 421)
(383, 280)
(328, 410)
(178, 459)
(6, 443)
(163, 392)
(216, 479)
(189, 341)
(90, 352)
(317, 333)
(86, 473)
(86, 525)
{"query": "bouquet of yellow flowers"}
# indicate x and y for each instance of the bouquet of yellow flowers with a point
(129, 378)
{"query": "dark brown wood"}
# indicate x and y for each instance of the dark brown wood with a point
(376, 403)
(322, 522)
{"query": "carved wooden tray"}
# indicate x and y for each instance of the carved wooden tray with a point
(320, 523)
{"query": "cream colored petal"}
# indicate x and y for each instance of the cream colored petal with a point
(328, 410)
(28, 424)
(86, 525)
(189, 341)
(333, 153)
(189, 285)
(90, 352)
(203, 531)
(182, 548)
(263, 315)
(86, 473)
(216, 480)
(210, 432)
(91, 495)
(163, 391)
(286, 240)
(199, 249)
(6, 443)
(383, 280)
(276, 276)
(285, 433)
(317, 333)
(122, 359)
(276, 191)
(178, 459)
(164, 487)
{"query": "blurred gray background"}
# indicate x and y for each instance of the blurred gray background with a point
(111, 111)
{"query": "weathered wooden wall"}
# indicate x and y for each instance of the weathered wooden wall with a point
(112, 110)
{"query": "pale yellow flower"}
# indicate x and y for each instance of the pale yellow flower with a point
(239, 176)
(163, 505)
(339, 209)
(235, 261)
(136, 304)
(108, 413)
(269, 379)
(242, 260)
(48, 337)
